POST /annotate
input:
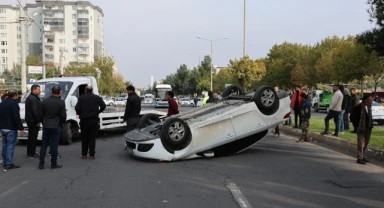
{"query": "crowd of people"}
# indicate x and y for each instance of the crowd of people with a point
(345, 108)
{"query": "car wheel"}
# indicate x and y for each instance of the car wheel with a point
(148, 119)
(175, 134)
(266, 100)
(232, 90)
(381, 122)
(66, 134)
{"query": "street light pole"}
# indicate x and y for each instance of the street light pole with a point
(211, 41)
(244, 44)
(22, 44)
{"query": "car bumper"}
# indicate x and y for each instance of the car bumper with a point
(377, 117)
(152, 149)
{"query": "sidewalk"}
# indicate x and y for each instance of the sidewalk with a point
(341, 145)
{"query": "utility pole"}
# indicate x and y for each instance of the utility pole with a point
(22, 39)
(62, 61)
(244, 44)
(43, 54)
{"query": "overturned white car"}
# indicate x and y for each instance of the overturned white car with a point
(221, 129)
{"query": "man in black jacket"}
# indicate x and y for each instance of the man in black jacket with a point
(354, 101)
(10, 122)
(33, 116)
(132, 109)
(88, 108)
(54, 117)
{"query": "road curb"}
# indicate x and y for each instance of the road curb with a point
(335, 143)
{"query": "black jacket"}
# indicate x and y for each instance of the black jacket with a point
(353, 102)
(10, 115)
(54, 112)
(33, 111)
(89, 106)
(344, 103)
(133, 107)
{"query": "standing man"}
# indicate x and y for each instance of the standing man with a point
(10, 122)
(343, 108)
(289, 120)
(365, 129)
(4, 96)
(295, 104)
(33, 116)
(54, 117)
(377, 99)
(132, 108)
(347, 97)
(208, 99)
(334, 110)
(305, 115)
(88, 108)
(173, 109)
(355, 100)
(277, 129)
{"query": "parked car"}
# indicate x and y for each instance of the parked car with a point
(221, 129)
(377, 113)
(120, 101)
(186, 102)
(199, 102)
(109, 102)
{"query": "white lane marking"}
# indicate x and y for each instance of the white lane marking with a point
(13, 189)
(238, 195)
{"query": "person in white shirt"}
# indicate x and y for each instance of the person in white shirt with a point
(334, 110)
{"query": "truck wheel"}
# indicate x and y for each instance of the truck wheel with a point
(266, 100)
(316, 107)
(148, 119)
(232, 90)
(66, 134)
(175, 135)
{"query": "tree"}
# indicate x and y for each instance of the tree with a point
(246, 71)
(223, 77)
(376, 12)
(376, 70)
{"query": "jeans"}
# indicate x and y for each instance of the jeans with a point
(277, 130)
(335, 115)
(33, 131)
(132, 124)
(346, 121)
(289, 120)
(341, 120)
(9, 144)
(51, 138)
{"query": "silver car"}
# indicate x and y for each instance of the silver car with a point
(377, 113)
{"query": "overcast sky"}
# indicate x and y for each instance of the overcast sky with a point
(153, 37)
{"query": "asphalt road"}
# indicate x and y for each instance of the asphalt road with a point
(276, 172)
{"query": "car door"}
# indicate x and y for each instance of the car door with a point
(212, 132)
(247, 120)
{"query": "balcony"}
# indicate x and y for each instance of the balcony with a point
(49, 44)
(49, 56)
(83, 36)
(57, 28)
(84, 53)
(83, 45)
(49, 35)
(82, 10)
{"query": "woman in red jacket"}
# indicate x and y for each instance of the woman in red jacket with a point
(296, 103)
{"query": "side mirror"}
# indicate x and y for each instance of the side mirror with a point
(73, 100)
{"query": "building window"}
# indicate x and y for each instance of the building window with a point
(62, 41)
(74, 49)
(18, 36)
(4, 60)
(3, 19)
(74, 40)
(3, 10)
(18, 44)
(4, 50)
(74, 24)
(73, 16)
(3, 35)
(4, 67)
(3, 27)
(4, 43)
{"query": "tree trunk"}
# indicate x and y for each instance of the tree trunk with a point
(376, 84)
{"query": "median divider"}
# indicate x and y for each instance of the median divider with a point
(341, 145)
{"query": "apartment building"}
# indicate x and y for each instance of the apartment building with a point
(75, 28)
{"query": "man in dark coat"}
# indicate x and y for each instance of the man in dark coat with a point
(354, 101)
(365, 128)
(54, 117)
(88, 108)
(33, 116)
(132, 108)
(10, 123)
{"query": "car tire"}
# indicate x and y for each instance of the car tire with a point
(148, 119)
(172, 141)
(66, 134)
(380, 122)
(232, 89)
(266, 100)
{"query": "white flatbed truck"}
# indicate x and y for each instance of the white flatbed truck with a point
(73, 88)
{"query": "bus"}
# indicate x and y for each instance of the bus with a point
(161, 95)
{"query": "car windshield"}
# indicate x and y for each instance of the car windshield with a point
(185, 99)
(47, 86)
(161, 94)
